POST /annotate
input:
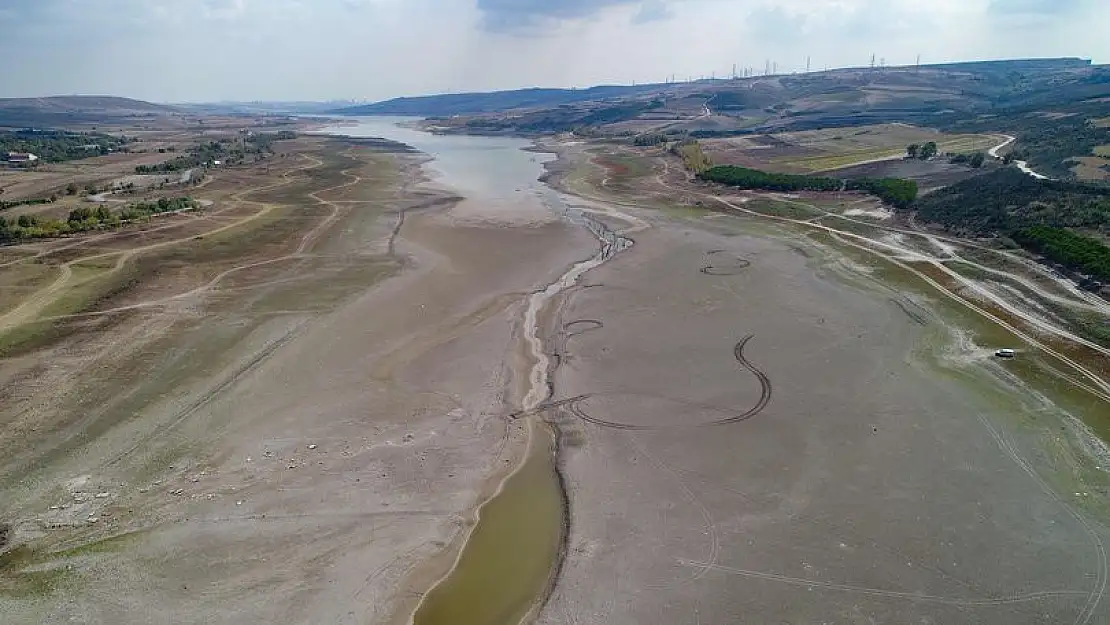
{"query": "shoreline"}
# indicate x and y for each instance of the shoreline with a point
(542, 310)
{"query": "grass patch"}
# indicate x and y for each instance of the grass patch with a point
(778, 208)
(17, 582)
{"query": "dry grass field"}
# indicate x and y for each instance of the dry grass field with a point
(827, 150)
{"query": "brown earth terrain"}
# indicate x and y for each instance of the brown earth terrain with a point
(782, 448)
(269, 410)
(289, 404)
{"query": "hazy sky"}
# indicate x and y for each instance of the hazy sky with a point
(206, 50)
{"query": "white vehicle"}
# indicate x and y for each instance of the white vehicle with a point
(1005, 353)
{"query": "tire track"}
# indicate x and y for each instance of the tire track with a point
(893, 594)
(1095, 595)
(733, 268)
(765, 393)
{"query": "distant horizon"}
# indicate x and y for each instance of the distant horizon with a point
(377, 50)
(366, 101)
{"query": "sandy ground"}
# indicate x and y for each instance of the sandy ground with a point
(867, 490)
(756, 430)
(288, 460)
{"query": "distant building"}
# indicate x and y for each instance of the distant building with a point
(21, 158)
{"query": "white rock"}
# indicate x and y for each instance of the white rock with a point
(312, 446)
(103, 495)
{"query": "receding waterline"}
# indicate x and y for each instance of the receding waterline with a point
(510, 556)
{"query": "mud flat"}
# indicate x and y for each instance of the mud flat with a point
(307, 439)
(756, 430)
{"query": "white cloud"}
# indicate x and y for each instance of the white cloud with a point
(174, 50)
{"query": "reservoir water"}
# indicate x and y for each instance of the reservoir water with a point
(510, 555)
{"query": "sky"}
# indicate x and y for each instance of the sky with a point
(369, 50)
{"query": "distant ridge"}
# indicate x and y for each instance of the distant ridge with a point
(499, 101)
(53, 110)
(489, 102)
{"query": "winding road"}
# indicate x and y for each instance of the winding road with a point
(1022, 165)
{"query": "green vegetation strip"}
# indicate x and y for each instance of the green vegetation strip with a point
(226, 152)
(1063, 246)
(511, 555)
(894, 191)
(87, 219)
(54, 146)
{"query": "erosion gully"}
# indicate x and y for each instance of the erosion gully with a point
(512, 554)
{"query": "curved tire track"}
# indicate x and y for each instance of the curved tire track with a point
(733, 268)
(765, 394)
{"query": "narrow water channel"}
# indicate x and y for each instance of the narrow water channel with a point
(511, 554)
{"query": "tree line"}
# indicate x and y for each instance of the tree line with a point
(55, 146)
(85, 219)
(229, 152)
(1082, 253)
(894, 191)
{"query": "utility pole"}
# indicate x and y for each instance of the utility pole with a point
(807, 64)
(767, 67)
(775, 71)
(872, 61)
(734, 71)
(918, 65)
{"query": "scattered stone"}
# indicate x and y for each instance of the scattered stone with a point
(238, 503)
(177, 491)
(209, 496)
(312, 446)
(103, 495)
(93, 519)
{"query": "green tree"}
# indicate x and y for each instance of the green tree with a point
(27, 221)
(71, 189)
(912, 150)
(976, 160)
(80, 214)
(929, 150)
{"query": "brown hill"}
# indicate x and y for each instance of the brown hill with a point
(61, 110)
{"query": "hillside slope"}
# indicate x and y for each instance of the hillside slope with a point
(494, 101)
(56, 110)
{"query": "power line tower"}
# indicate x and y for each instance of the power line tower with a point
(734, 71)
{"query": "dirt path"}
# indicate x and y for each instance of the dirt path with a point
(38, 301)
(1022, 165)
(1102, 386)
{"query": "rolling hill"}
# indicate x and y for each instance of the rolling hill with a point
(492, 102)
(60, 110)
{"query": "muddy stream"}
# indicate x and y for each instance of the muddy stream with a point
(511, 554)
